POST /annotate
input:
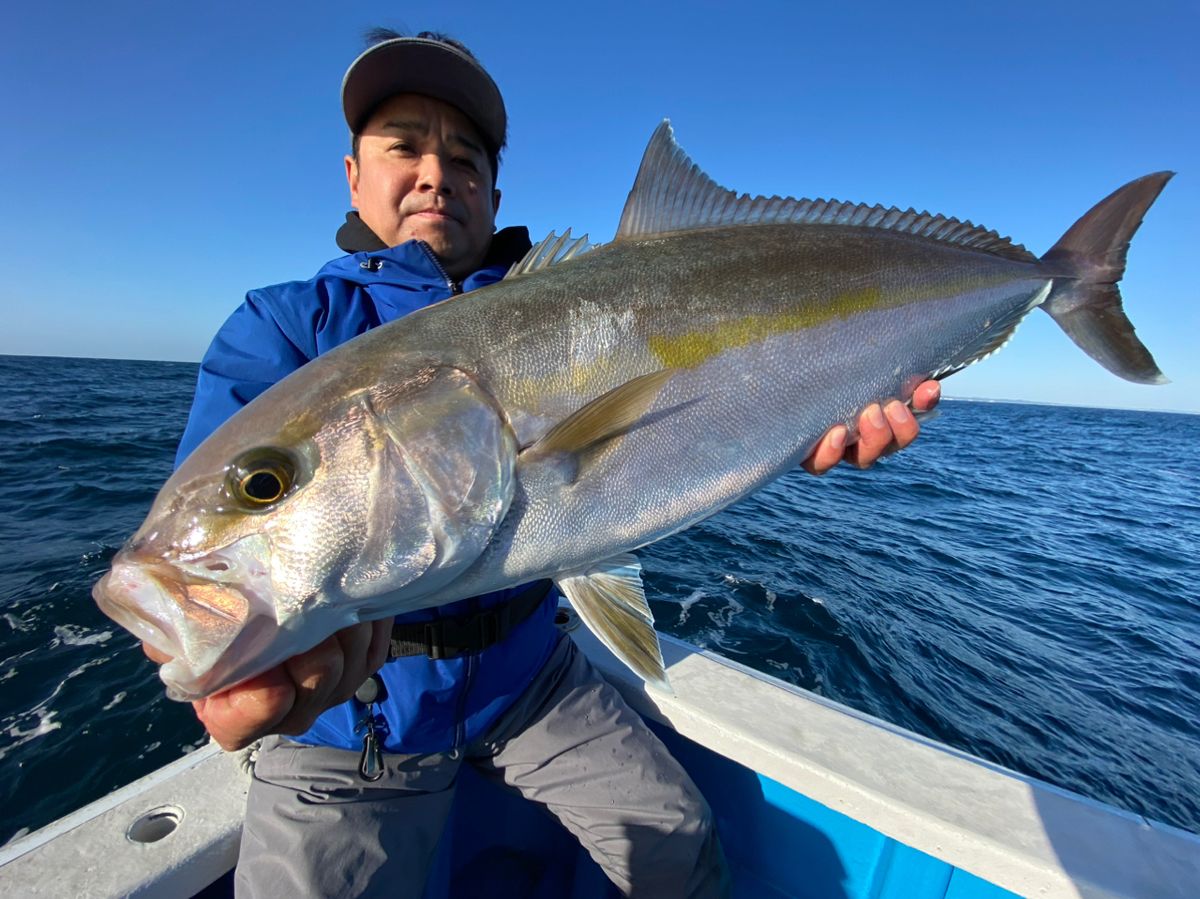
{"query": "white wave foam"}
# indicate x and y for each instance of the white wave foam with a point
(116, 700)
(45, 724)
(686, 605)
(71, 635)
(91, 663)
(150, 748)
(722, 618)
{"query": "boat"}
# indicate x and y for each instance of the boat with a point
(811, 799)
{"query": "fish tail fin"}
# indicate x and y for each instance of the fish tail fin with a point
(1085, 301)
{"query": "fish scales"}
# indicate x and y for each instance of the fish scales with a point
(587, 405)
(774, 345)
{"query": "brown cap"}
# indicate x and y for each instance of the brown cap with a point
(415, 65)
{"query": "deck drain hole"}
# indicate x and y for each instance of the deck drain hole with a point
(155, 824)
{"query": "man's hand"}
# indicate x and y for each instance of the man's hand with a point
(880, 431)
(288, 698)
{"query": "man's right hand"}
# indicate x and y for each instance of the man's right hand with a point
(288, 698)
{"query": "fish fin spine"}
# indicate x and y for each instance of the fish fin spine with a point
(552, 250)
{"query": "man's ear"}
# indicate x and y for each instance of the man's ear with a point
(495, 201)
(352, 180)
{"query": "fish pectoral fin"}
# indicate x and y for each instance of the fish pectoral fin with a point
(606, 418)
(609, 598)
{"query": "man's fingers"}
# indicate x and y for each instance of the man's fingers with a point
(237, 717)
(356, 651)
(829, 451)
(288, 698)
(881, 430)
(381, 643)
(329, 673)
(903, 424)
(317, 674)
(159, 658)
(926, 396)
(874, 437)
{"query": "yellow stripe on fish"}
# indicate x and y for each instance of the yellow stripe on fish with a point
(697, 347)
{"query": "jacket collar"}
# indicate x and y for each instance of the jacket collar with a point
(508, 246)
(355, 236)
(413, 263)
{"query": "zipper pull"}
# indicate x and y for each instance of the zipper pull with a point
(370, 763)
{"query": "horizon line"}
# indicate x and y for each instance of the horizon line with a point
(968, 399)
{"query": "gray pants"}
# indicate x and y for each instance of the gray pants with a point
(570, 743)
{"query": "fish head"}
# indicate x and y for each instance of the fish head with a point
(298, 518)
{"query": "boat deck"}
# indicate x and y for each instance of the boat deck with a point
(811, 799)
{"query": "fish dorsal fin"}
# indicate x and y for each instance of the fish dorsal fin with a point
(672, 194)
(551, 251)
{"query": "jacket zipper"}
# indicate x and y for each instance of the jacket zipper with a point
(454, 286)
(472, 660)
(460, 726)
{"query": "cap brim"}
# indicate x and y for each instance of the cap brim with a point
(421, 66)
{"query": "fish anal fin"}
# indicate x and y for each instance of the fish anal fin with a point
(992, 337)
(609, 598)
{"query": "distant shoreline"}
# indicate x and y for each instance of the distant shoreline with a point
(984, 399)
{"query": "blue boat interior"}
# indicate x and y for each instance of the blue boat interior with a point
(778, 843)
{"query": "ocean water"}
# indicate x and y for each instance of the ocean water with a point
(1021, 584)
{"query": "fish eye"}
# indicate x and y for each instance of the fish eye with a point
(261, 478)
(263, 486)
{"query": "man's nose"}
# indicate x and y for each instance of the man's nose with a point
(433, 174)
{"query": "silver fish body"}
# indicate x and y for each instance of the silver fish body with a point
(765, 359)
(589, 404)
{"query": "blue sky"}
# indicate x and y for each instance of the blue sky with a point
(160, 159)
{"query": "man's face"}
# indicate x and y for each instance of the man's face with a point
(422, 172)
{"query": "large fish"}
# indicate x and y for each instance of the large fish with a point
(591, 403)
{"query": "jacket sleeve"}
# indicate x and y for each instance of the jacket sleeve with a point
(250, 353)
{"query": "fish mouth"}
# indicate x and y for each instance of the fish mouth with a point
(192, 611)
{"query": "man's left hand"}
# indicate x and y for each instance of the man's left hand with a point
(882, 429)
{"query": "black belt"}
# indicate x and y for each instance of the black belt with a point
(445, 638)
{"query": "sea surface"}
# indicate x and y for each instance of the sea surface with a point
(1021, 584)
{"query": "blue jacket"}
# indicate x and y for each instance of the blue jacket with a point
(431, 706)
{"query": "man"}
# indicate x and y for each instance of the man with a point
(327, 814)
